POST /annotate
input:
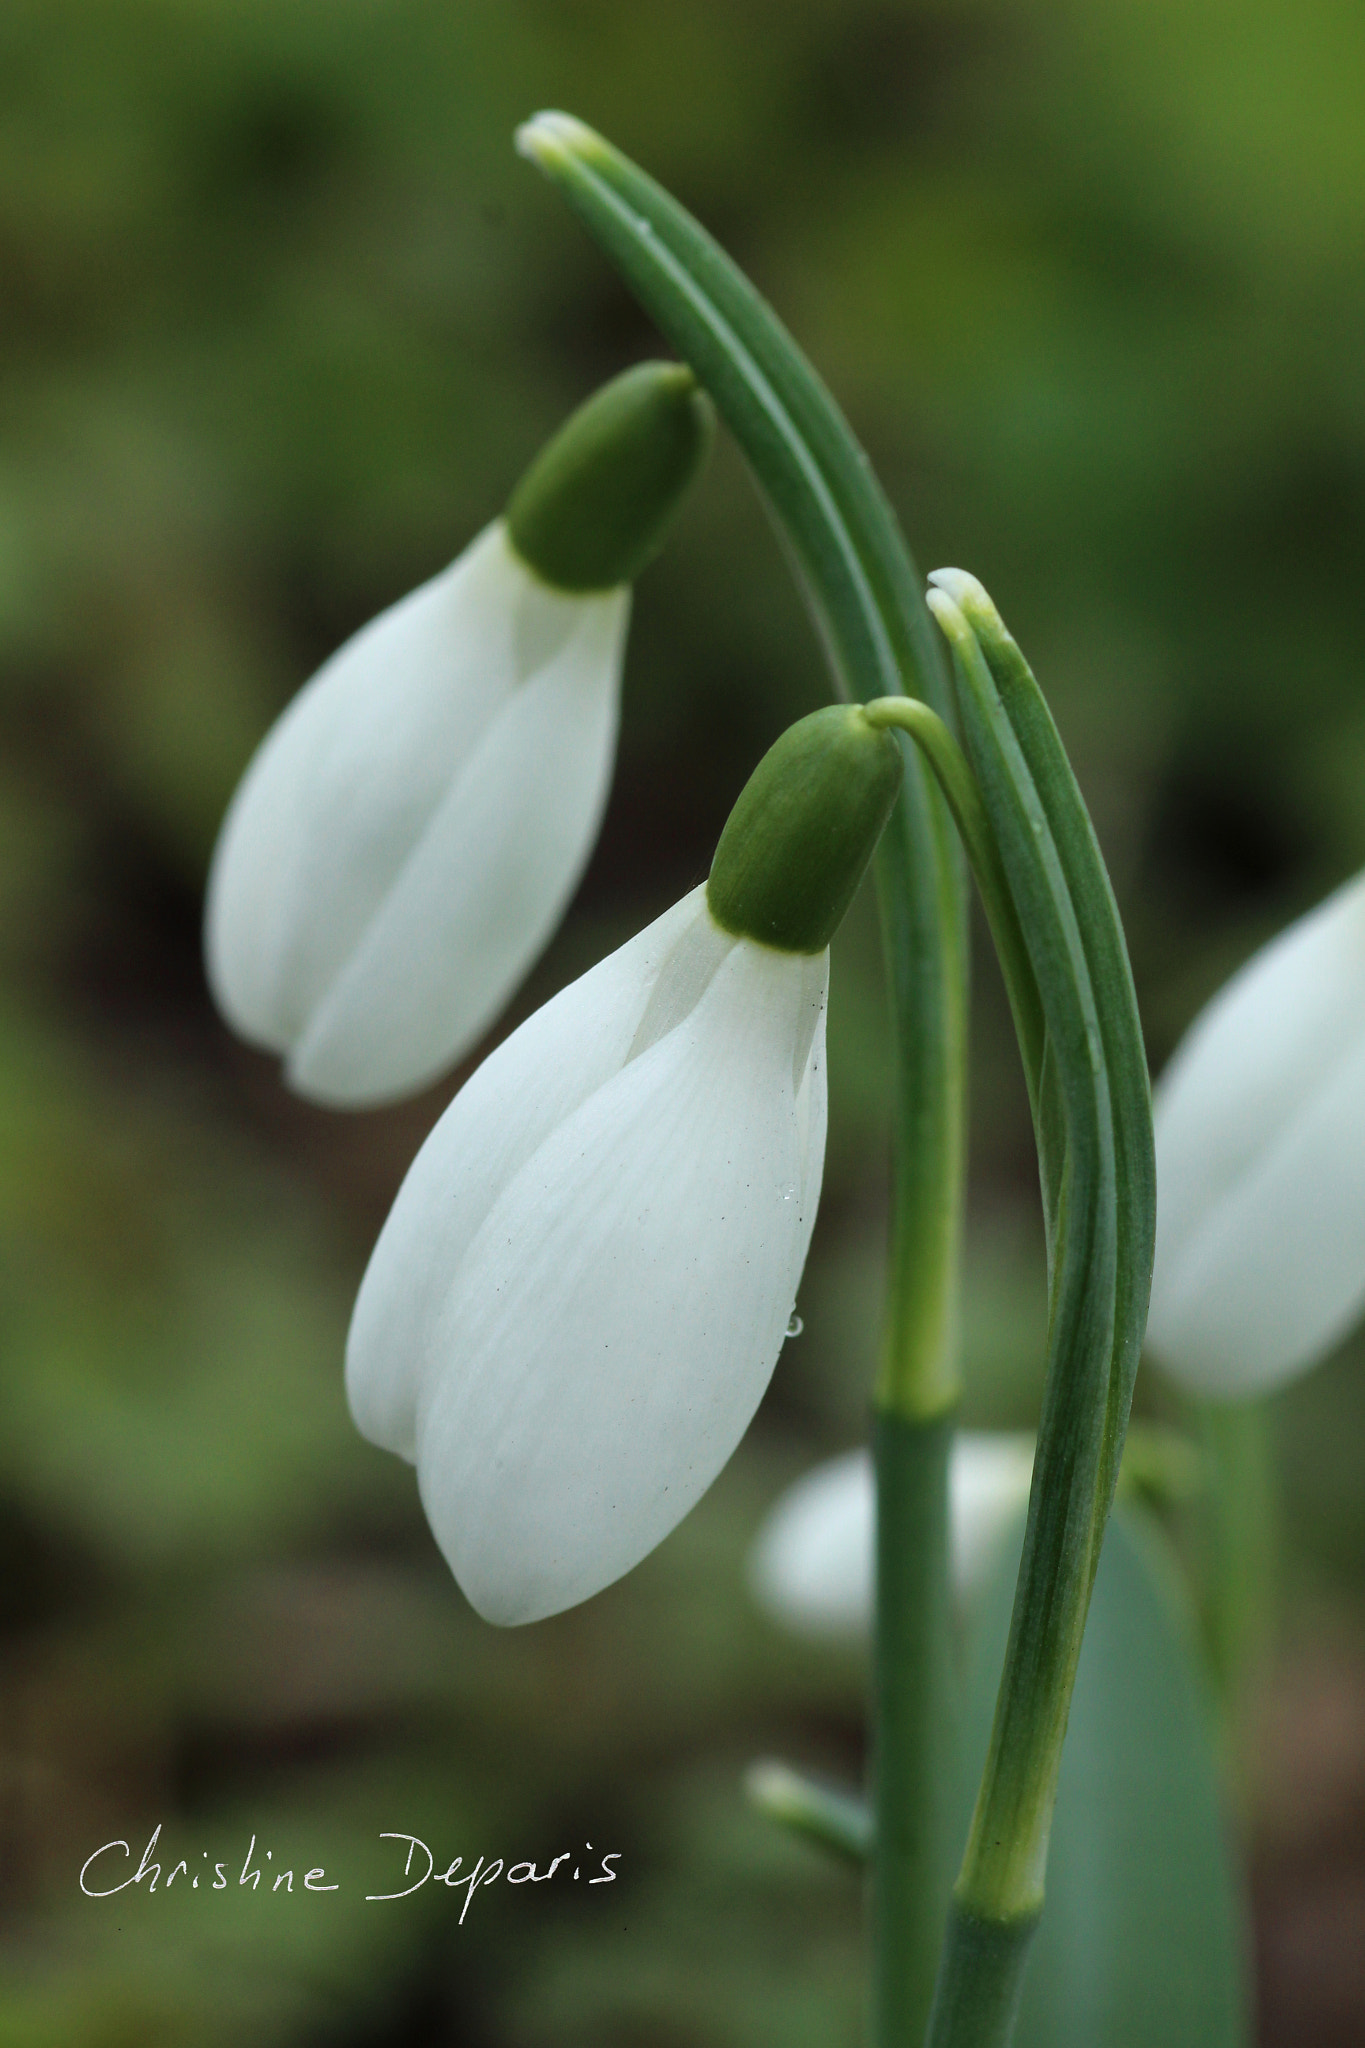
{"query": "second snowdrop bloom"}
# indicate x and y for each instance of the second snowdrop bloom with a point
(1260, 1149)
(812, 1562)
(583, 1286)
(411, 830)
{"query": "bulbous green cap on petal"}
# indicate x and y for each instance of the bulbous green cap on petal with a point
(796, 844)
(596, 505)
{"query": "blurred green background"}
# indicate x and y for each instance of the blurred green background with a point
(282, 316)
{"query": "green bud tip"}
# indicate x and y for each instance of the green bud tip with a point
(596, 505)
(797, 843)
(957, 592)
(549, 137)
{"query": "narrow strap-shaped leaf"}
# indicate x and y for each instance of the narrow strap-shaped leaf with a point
(1111, 976)
(1143, 1943)
(1000, 1889)
(1057, 1565)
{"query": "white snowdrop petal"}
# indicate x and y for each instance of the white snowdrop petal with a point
(812, 1095)
(812, 1564)
(1251, 1064)
(343, 784)
(527, 1085)
(1273, 1275)
(614, 1323)
(484, 887)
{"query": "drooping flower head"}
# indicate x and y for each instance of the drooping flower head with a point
(582, 1288)
(409, 833)
(1260, 1146)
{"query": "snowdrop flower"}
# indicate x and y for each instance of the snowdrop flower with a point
(811, 1565)
(580, 1294)
(409, 833)
(1260, 1151)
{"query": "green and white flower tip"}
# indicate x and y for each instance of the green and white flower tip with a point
(962, 604)
(410, 831)
(579, 1296)
(549, 137)
(811, 1565)
(1260, 1149)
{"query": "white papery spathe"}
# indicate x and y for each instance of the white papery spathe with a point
(581, 1291)
(812, 1562)
(1260, 1154)
(410, 831)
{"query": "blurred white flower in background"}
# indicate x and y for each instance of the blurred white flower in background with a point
(1260, 1150)
(811, 1565)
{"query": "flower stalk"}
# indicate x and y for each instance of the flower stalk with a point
(1025, 829)
(866, 597)
(865, 594)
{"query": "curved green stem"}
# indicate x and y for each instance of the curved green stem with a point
(867, 599)
(963, 797)
(869, 608)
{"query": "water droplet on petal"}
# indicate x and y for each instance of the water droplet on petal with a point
(795, 1326)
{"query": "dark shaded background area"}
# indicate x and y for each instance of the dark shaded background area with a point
(281, 318)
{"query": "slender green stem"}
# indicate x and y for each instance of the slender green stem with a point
(953, 771)
(867, 599)
(979, 1987)
(1241, 1545)
(913, 1704)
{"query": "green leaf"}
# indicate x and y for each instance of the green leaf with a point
(1143, 1939)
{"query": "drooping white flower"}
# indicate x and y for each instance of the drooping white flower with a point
(582, 1288)
(811, 1564)
(1260, 1148)
(411, 830)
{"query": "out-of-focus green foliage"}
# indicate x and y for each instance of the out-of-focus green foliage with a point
(281, 319)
